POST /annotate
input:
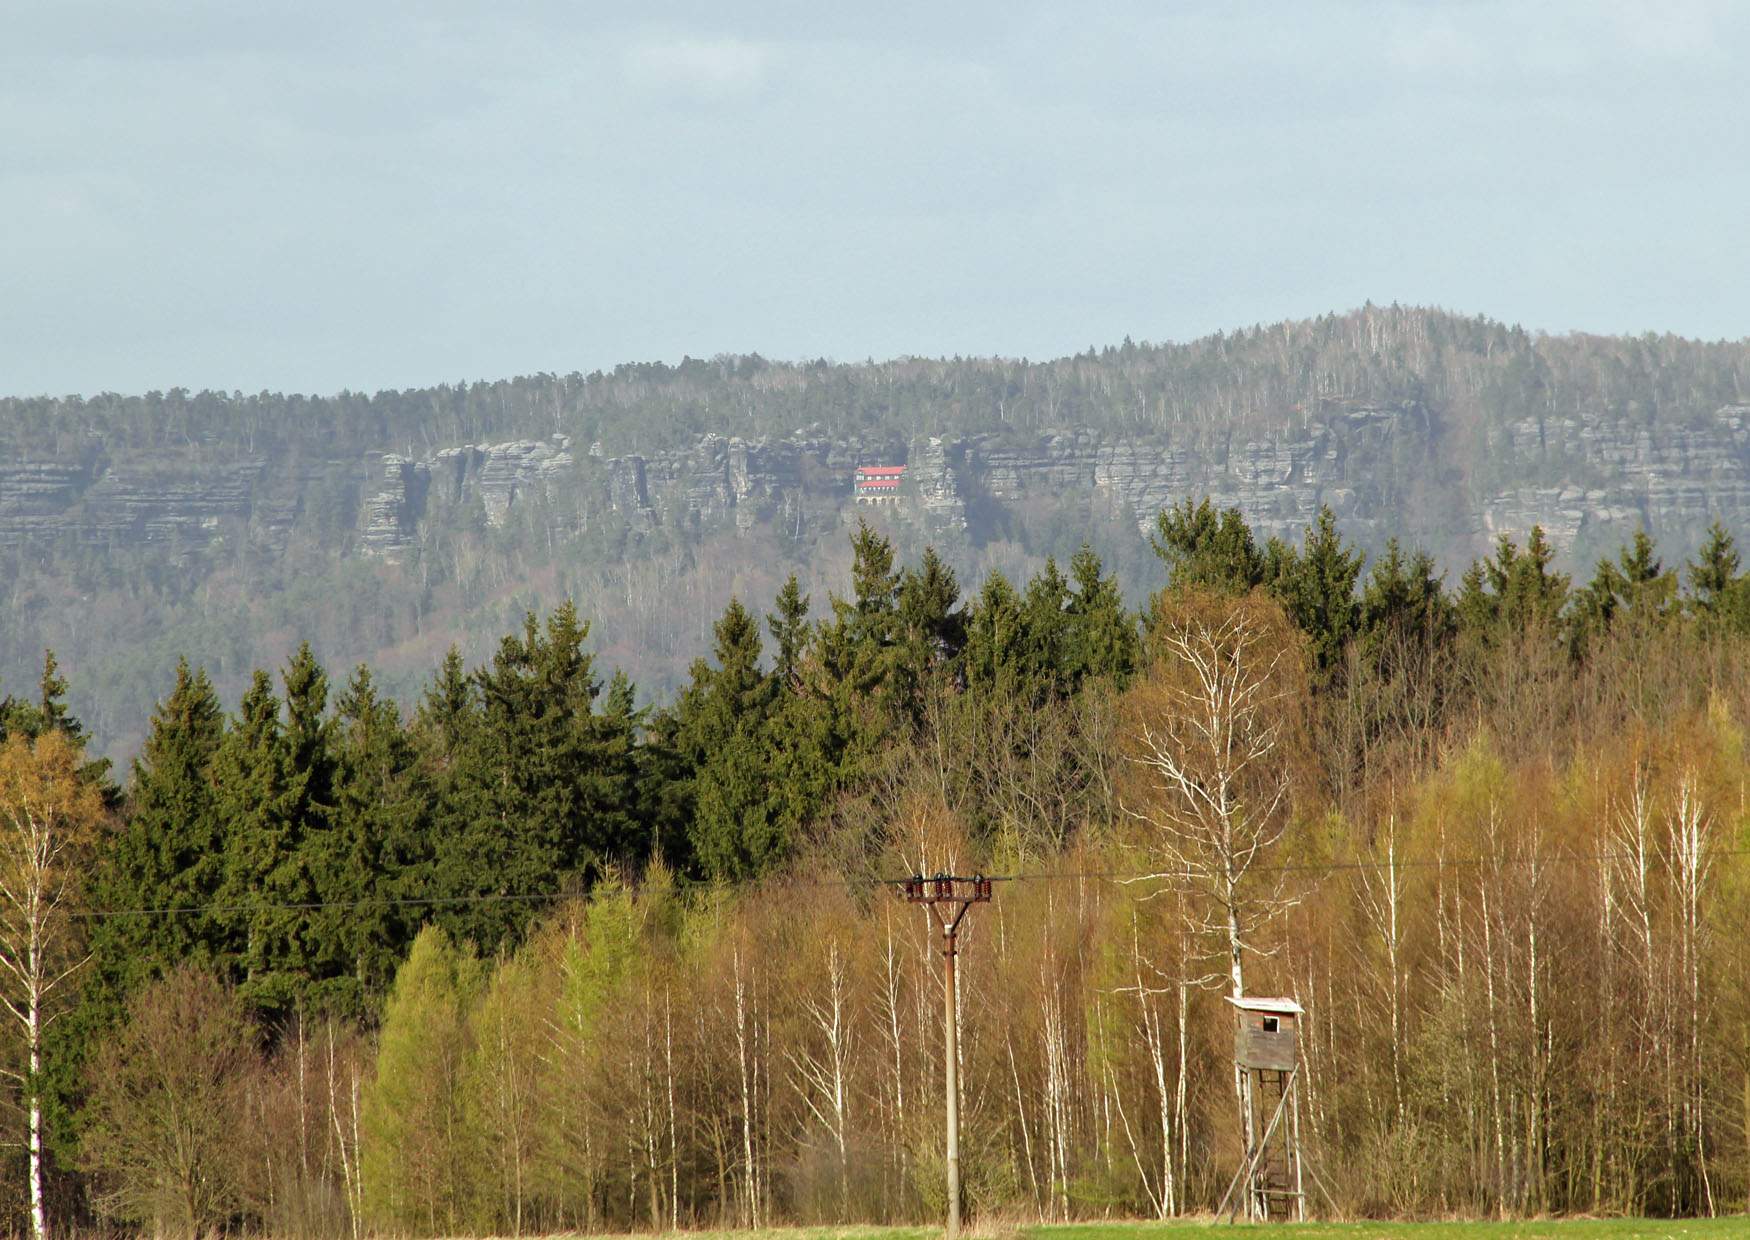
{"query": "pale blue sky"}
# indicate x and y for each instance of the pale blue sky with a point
(309, 195)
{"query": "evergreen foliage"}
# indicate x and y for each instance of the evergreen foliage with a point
(331, 860)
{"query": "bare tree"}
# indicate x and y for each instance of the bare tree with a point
(1216, 729)
(169, 1103)
(48, 815)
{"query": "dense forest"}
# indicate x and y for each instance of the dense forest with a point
(1503, 409)
(539, 954)
(1476, 367)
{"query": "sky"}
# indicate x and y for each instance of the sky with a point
(310, 196)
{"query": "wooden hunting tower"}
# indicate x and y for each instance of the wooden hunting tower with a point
(1266, 1071)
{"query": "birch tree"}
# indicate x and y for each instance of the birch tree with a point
(49, 816)
(1216, 726)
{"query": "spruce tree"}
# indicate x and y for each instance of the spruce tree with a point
(260, 800)
(722, 733)
(380, 844)
(996, 650)
(1718, 595)
(789, 629)
(168, 852)
(930, 632)
(1206, 549)
(1403, 600)
(1046, 634)
(1318, 592)
(1102, 640)
(542, 794)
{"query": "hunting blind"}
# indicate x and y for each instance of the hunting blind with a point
(1266, 1072)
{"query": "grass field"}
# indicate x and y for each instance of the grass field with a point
(1563, 1229)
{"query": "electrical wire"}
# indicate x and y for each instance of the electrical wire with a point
(1038, 876)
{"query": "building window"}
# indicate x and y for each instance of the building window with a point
(1271, 1024)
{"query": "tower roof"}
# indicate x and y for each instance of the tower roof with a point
(1252, 1003)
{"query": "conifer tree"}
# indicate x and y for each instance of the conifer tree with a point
(855, 652)
(789, 629)
(1635, 586)
(447, 715)
(1403, 600)
(1317, 588)
(168, 852)
(1513, 592)
(1206, 549)
(260, 801)
(542, 792)
(1046, 628)
(380, 849)
(929, 631)
(1102, 638)
(723, 721)
(996, 651)
(1718, 595)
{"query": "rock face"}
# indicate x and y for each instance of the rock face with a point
(1383, 469)
(125, 504)
(1593, 478)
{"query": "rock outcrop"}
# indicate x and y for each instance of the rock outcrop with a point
(1384, 469)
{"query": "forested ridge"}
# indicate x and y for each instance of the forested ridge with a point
(1477, 367)
(270, 549)
(534, 954)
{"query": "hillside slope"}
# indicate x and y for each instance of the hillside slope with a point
(227, 527)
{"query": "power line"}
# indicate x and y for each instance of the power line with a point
(1036, 876)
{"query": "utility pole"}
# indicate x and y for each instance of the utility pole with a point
(947, 898)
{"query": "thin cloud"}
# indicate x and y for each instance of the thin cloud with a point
(712, 67)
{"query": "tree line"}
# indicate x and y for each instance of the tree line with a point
(530, 956)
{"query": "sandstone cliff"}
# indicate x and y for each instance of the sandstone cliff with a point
(1384, 469)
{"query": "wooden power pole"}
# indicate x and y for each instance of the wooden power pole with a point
(947, 898)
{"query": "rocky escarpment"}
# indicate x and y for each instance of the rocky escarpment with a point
(1589, 480)
(1384, 469)
(95, 502)
(497, 475)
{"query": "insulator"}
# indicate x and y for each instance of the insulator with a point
(944, 887)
